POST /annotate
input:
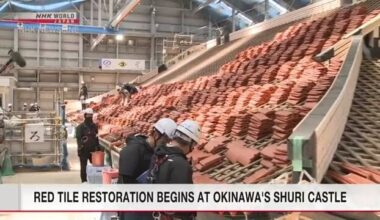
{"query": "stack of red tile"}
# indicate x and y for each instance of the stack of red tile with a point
(270, 73)
(355, 175)
(238, 152)
(209, 162)
(284, 123)
(300, 91)
(232, 98)
(197, 155)
(213, 83)
(260, 126)
(262, 96)
(315, 72)
(210, 123)
(225, 124)
(245, 97)
(283, 72)
(371, 15)
(281, 156)
(282, 92)
(304, 109)
(274, 155)
(216, 144)
(317, 92)
(240, 127)
(256, 75)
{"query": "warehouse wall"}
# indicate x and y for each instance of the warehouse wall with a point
(60, 60)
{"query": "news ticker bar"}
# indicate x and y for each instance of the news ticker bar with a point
(184, 197)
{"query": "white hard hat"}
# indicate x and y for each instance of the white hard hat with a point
(190, 129)
(9, 104)
(166, 126)
(25, 103)
(31, 104)
(88, 111)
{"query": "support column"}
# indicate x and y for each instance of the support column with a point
(117, 49)
(92, 13)
(60, 49)
(152, 60)
(15, 48)
(99, 13)
(209, 28)
(110, 9)
(38, 48)
(233, 19)
(152, 40)
(80, 52)
(38, 87)
(15, 40)
(266, 9)
(182, 17)
(374, 38)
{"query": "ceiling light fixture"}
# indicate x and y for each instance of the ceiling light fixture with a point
(119, 37)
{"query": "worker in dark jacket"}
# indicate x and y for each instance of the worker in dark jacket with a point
(170, 165)
(127, 90)
(83, 91)
(135, 158)
(83, 95)
(33, 107)
(87, 140)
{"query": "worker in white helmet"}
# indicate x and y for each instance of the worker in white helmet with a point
(10, 107)
(36, 106)
(135, 159)
(170, 165)
(25, 106)
(87, 140)
(177, 170)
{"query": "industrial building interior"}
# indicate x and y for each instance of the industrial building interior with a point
(285, 91)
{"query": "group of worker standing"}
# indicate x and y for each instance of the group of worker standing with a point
(33, 107)
(158, 158)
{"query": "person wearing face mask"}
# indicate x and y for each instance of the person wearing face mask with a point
(135, 158)
(170, 165)
(87, 140)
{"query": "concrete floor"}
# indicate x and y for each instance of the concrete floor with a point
(51, 177)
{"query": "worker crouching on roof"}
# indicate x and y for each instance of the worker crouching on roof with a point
(170, 165)
(127, 90)
(135, 158)
(87, 139)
